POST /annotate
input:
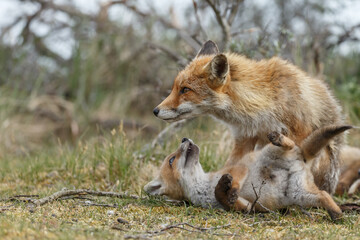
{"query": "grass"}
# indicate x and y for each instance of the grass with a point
(112, 162)
(68, 220)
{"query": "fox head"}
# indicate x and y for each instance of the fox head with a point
(195, 88)
(176, 167)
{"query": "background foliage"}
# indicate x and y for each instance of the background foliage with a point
(67, 73)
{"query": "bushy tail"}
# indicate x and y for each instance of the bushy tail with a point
(327, 174)
(320, 138)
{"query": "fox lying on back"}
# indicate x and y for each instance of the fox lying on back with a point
(278, 172)
(255, 98)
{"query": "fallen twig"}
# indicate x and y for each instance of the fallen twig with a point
(350, 207)
(16, 199)
(76, 192)
(89, 203)
(148, 234)
(267, 209)
(76, 197)
(116, 227)
(306, 213)
(257, 196)
(82, 194)
(29, 196)
(141, 236)
(5, 208)
(194, 227)
(67, 194)
(19, 198)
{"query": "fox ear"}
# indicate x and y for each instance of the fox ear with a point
(209, 48)
(312, 145)
(219, 68)
(154, 187)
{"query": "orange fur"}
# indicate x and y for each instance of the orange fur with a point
(350, 157)
(273, 177)
(170, 177)
(254, 98)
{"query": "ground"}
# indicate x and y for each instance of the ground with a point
(71, 220)
(112, 162)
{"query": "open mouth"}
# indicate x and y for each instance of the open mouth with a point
(190, 150)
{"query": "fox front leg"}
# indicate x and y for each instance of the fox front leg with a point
(224, 193)
(241, 147)
(227, 195)
(280, 140)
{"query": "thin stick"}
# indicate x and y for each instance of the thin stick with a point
(99, 204)
(80, 194)
(119, 228)
(198, 20)
(306, 213)
(76, 197)
(65, 193)
(180, 226)
(225, 28)
(18, 198)
(29, 196)
(170, 53)
(233, 11)
(141, 236)
(168, 24)
(205, 229)
(5, 208)
(15, 199)
(257, 196)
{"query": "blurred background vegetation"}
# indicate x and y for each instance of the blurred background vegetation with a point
(69, 75)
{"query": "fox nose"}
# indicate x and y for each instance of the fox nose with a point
(156, 111)
(184, 140)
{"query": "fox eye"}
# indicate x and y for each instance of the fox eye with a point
(171, 161)
(184, 90)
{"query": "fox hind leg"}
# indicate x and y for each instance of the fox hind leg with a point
(329, 204)
(320, 198)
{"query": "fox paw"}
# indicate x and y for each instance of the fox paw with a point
(225, 182)
(232, 196)
(222, 189)
(275, 138)
(225, 193)
(335, 215)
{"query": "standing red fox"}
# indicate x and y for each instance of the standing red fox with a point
(254, 98)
